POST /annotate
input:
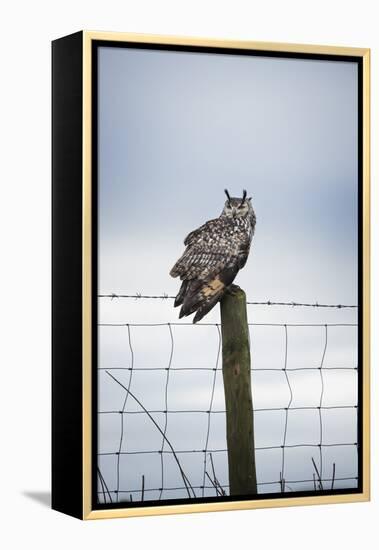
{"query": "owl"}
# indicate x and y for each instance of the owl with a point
(214, 254)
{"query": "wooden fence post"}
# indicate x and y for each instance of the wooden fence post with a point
(238, 397)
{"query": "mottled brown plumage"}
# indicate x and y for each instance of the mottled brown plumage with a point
(214, 254)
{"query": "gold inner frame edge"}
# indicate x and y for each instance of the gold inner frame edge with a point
(88, 512)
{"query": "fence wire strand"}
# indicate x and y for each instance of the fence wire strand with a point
(166, 408)
(320, 406)
(282, 473)
(165, 296)
(122, 413)
(209, 412)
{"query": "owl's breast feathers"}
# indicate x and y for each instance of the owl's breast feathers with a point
(214, 254)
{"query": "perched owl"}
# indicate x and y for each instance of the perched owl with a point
(214, 254)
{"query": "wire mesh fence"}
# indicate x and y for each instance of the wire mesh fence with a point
(304, 405)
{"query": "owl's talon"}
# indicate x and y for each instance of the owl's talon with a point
(233, 289)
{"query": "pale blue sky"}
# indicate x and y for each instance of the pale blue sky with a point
(175, 129)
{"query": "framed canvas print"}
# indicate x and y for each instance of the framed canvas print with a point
(210, 275)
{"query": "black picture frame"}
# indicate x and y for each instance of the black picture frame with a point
(74, 308)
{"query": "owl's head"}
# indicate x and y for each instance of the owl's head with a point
(237, 207)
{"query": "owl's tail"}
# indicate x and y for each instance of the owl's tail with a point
(206, 307)
(200, 296)
(181, 294)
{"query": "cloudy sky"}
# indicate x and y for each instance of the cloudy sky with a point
(175, 129)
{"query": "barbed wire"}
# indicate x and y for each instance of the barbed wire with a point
(318, 479)
(126, 324)
(165, 296)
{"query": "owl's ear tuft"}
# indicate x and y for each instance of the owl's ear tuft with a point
(243, 197)
(227, 194)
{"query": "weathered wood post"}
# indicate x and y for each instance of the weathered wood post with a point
(238, 397)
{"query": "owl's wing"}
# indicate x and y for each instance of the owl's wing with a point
(213, 257)
(206, 229)
(208, 250)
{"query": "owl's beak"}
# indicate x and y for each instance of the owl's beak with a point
(234, 212)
